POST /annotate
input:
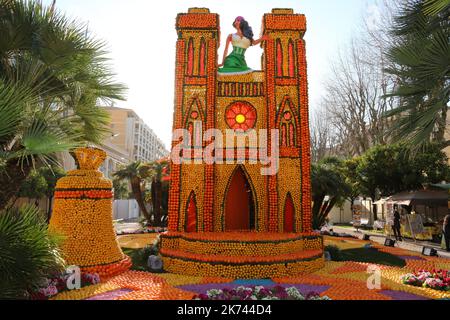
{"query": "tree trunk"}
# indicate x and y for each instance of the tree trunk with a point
(49, 210)
(318, 202)
(136, 188)
(374, 208)
(352, 206)
(156, 198)
(11, 181)
(329, 207)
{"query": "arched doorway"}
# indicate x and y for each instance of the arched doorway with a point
(289, 214)
(239, 203)
(191, 214)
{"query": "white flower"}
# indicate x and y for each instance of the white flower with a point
(214, 293)
(242, 288)
(258, 288)
(294, 293)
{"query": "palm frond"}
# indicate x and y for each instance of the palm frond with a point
(416, 128)
(30, 253)
(420, 60)
(43, 138)
(434, 7)
(12, 105)
(76, 66)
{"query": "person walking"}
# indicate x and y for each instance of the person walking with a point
(396, 226)
(446, 232)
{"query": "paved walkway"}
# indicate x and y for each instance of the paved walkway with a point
(406, 244)
(127, 227)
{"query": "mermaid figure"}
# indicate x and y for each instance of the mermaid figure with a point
(241, 41)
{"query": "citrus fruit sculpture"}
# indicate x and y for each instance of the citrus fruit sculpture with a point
(227, 218)
(82, 214)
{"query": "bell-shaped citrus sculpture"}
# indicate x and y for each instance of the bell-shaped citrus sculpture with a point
(82, 214)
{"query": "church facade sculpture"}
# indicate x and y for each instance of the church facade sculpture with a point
(225, 217)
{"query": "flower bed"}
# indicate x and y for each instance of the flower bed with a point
(258, 293)
(436, 279)
(58, 285)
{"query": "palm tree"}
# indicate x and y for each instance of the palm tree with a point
(120, 188)
(158, 173)
(329, 188)
(136, 173)
(28, 134)
(421, 60)
(52, 75)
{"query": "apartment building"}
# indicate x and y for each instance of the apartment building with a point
(133, 135)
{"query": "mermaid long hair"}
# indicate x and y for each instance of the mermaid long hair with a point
(245, 28)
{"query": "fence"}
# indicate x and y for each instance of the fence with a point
(125, 209)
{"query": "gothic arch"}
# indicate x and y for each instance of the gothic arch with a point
(194, 105)
(279, 57)
(193, 113)
(202, 58)
(291, 58)
(239, 211)
(288, 123)
(289, 214)
(191, 214)
(190, 57)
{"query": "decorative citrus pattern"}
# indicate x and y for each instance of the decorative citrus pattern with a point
(83, 215)
(285, 20)
(86, 194)
(86, 292)
(261, 270)
(241, 254)
(257, 244)
(111, 269)
(337, 280)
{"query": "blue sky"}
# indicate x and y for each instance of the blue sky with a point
(141, 39)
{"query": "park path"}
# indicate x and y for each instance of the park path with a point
(406, 244)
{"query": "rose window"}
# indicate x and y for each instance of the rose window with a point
(241, 116)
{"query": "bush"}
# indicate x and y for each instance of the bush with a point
(139, 257)
(335, 253)
(29, 252)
